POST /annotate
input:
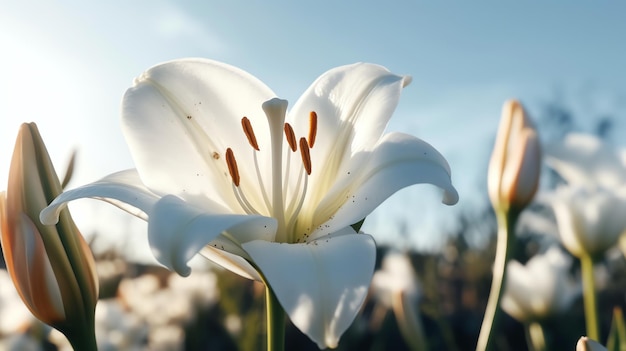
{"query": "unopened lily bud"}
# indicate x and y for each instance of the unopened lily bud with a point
(586, 344)
(515, 163)
(50, 265)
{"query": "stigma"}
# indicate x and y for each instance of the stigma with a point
(286, 198)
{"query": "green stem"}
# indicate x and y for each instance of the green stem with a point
(409, 321)
(535, 339)
(504, 249)
(83, 341)
(589, 298)
(275, 321)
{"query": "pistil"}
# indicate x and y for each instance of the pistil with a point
(275, 110)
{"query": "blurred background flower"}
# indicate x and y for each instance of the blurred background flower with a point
(541, 288)
(397, 288)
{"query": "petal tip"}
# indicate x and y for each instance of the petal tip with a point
(450, 197)
(49, 215)
(406, 80)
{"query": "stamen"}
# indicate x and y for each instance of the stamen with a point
(296, 211)
(243, 201)
(232, 166)
(261, 184)
(287, 175)
(247, 129)
(306, 155)
(291, 137)
(312, 128)
(296, 191)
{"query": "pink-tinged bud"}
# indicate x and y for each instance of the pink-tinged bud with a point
(51, 265)
(515, 163)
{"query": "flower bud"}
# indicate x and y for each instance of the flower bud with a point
(50, 265)
(515, 163)
(586, 344)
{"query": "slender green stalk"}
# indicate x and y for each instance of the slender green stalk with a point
(275, 321)
(589, 297)
(84, 340)
(535, 338)
(504, 249)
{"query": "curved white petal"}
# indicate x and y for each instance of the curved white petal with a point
(353, 104)
(585, 159)
(178, 230)
(181, 116)
(123, 189)
(322, 284)
(232, 262)
(399, 160)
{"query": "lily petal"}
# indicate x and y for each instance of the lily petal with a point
(586, 159)
(322, 284)
(178, 230)
(181, 116)
(38, 286)
(41, 294)
(354, 104)
(232, 262)
(123, 189)
(399, 160)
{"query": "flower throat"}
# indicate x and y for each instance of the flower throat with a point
(277, 206)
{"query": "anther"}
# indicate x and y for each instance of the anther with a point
(312, 127)
(247, 129)
(306, 155)
(291, 137)
(232, 166)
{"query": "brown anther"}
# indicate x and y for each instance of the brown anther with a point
(247, 129)
(232, 166)
(306, 155)
(312, 128)
(291, 137)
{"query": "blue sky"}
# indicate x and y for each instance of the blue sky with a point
(66, 65)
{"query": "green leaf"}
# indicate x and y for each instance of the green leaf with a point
(357, 226)
(69, 171)
(617, 334)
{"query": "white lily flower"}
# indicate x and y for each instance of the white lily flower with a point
(397, 287)
(396, 276)
(222, 169)
(590, 220)
(586, 344)
(586, 160)
(540, 288)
